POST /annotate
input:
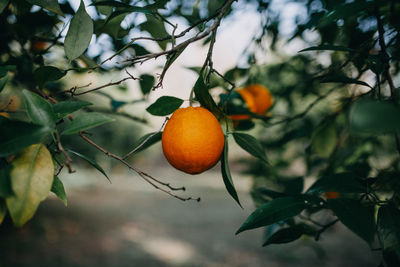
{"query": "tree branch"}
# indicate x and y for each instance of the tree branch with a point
(157, 184)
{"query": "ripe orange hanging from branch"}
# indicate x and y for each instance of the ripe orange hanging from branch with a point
(193, 140)
(258, 100)
(262, 98)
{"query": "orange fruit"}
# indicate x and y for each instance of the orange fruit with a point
(4, 114)
(11, 103)
(38, 46)
(261, 96)
(331, 195)
(192, 140)
(251, 105)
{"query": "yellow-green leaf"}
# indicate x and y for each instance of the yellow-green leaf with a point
(31, 180)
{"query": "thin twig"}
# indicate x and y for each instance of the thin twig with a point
(61, 149)
(148, 178)
(72, 91)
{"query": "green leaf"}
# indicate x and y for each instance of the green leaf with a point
(3, 210)
(170, 59)
(146, 83)
(86, 121)
(91, 162)
(18, 136)
(31, 179)
(3, 82)
(368, 116)
(251, 145)
(46, 74)
(62, 109)
(347, 10)
(146, 141)
(226, 174)
(328, 47)
(50, 5)
(5, 183)
(355, 216)
(58, 189)
(123, 7)
(203, 96)
(103, 9)
(276, 210)
(236, 73)
(338, 182)
(165, 105)
(79, 33)
(39, 110)
(389, 232)
(324, 139)
(3, 5)
(156, 28)
(289, 234)
(342, 79)
(4, 69)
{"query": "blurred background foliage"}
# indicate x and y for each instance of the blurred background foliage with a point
(336, 107)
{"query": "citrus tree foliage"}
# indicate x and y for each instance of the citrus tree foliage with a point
(335, 119)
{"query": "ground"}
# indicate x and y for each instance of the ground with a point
(128, 223)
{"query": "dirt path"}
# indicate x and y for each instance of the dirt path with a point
(130, 224)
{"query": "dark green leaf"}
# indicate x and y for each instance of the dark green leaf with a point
(357, 217)
(270, 193)
(347, 10)
(146, 141)
(86, 121)
(39, 110)
(226, 175)
(338, 182)
(369, 116)
(328, 47)
(324, 139)
(123, 7)
(91, 162)
(165, 105)
(5, 183)
(103, 9)
(235, 74)
(79, 33)
(170, 59)
(342, 79)
(58, 189)
(389, 232)
(292, 185)
(18, 136)
(46, 74)
(62, 109)
(146, 83)
(276, 210)
(289, 234)
(203, 96)
(5, 68)
(156, 28)
(251, 145)
(140, 50)
(50, 5)
(3, 5)
(3, 82)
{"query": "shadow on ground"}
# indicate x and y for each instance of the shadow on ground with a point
(128, 223)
